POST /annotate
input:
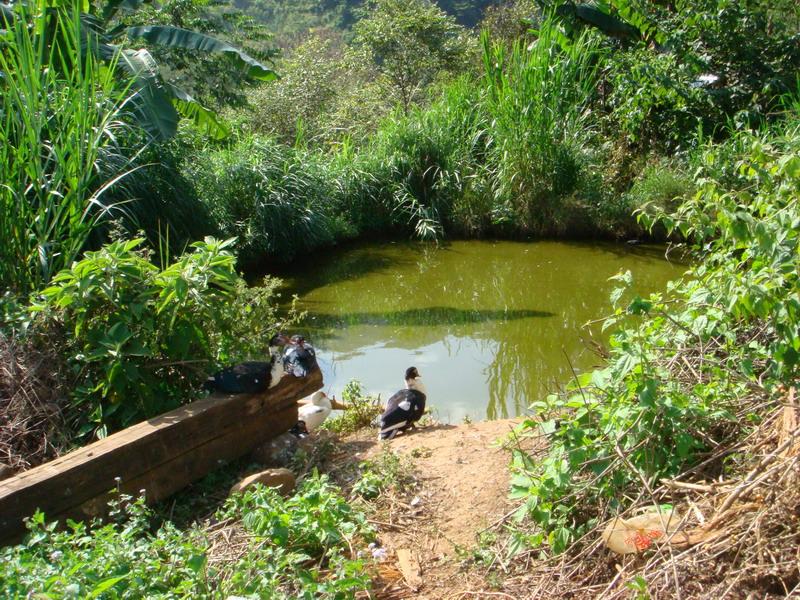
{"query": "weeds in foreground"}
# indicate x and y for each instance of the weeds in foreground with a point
(361, 410)
(387, 471)
(259, 544)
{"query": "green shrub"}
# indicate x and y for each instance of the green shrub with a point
(278, 201)
(733, 322)
(654, 98)
(717, 61)
(140, 338)
(298, 547)
(411, 43)
(301, 543)
(361, 410)
(661, 187)
(327, 94)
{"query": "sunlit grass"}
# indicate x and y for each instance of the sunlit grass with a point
(61, 118)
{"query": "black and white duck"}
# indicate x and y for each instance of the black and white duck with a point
(251, 377)
(404, 408)
(299, 357)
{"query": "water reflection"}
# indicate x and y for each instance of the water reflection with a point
(491, 325)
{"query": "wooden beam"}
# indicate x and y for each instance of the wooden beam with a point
(161, 455)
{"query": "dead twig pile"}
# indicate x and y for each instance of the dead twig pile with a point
(31, 400)
(738, 534)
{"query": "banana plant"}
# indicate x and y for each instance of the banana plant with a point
(157, 104)
(615, 18)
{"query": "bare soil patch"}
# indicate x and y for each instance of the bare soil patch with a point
(462, 473)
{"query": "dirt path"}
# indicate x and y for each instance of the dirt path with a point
(463, 487)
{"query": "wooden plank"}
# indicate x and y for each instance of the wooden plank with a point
(238, 423)
(170, 477)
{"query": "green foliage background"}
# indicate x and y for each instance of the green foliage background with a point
(289, 20)
(296, 548)
(684, 113)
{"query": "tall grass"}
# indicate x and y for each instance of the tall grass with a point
(537, 101)
(277, 200)
(155, 199)
(61, 115)
(423, 163)
(507, 154)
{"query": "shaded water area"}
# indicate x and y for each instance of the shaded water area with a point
(490, 325)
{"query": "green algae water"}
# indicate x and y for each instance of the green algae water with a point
(491, 326)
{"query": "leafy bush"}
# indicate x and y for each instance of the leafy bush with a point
(411, 42)
(717, 61)
(654, 97)
(674, 379)
(755, 54)
(319, 517)
(302, 543)
(327, 94)
(660, 187)
(139, 338)
(360, 412)
(295, 548)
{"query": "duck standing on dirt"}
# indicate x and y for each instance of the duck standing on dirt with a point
(404, 408)
(251, 377)
(299, 357)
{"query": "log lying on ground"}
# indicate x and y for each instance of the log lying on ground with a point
(160, 456)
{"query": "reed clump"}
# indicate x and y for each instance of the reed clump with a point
(61, 131)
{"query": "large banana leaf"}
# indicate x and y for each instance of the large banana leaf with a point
(152, 104)
(154, 110)
(204, 118)
(159, 105)
(616, 18)
(175, 37)
(607, 23)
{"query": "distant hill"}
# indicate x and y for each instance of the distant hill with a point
(288, 19)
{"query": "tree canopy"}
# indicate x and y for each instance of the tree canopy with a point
(410, 43)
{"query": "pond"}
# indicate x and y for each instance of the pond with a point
(491, 325)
